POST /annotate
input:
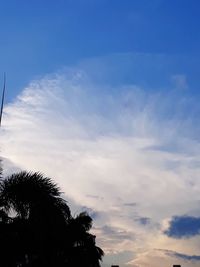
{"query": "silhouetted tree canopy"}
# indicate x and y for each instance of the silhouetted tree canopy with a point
(1, 168)
(37, 228)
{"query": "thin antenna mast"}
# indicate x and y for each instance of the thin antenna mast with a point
(2, 99)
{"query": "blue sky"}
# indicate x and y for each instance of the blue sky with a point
(107, 92)
(39, 38)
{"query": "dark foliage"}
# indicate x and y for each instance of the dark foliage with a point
(1, 169)
(37, 229)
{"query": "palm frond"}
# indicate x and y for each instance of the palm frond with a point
(84, 220)
(22, 190)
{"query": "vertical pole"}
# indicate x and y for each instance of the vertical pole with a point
(2, 99)
(1, 113)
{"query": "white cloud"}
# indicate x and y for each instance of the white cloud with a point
(165, 257)
(124, 146)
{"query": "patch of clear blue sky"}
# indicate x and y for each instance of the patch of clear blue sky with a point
(39, 37)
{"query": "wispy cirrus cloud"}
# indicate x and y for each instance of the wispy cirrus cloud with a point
(131, 156)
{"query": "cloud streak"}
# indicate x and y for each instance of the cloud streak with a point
(167, 257)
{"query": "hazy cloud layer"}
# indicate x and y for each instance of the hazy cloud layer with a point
(166, 258)
(129, 155)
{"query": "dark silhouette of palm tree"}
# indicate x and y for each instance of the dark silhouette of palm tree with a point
(1, 168)
(83, 248)
(37, 228)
